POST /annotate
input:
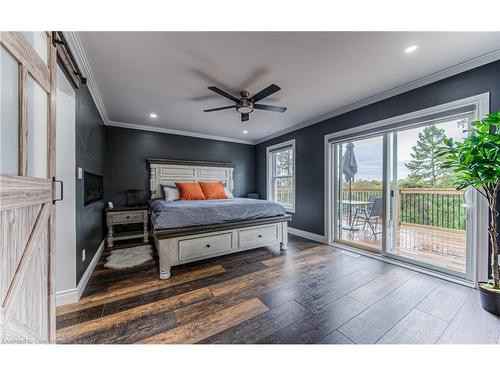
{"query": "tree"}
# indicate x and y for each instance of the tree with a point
(425, 165)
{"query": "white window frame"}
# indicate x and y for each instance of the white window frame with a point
(478, 241)
(270, 172)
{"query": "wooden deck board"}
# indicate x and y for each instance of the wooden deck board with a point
(437, 246)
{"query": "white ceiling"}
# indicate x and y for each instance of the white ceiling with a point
(168, 73)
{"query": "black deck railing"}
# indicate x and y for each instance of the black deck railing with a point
(442, 208)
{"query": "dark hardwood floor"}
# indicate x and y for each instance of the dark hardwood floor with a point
(312, 293)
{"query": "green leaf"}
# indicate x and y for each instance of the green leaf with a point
(475, 160)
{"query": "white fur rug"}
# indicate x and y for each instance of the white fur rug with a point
(130, 257)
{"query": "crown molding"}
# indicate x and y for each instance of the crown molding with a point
(177, 132)
(75, 45)
(79, 53)
(442, 74)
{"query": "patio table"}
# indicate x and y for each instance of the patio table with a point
(351, 204)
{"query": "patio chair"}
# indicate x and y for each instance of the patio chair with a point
(370, 215)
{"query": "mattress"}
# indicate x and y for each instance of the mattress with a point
(183, 213)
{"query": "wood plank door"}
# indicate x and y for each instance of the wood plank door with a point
(27, 167)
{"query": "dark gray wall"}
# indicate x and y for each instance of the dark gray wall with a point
(310, 140)
(127, 150)
(90, 154)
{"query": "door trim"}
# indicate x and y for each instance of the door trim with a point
(479, 232)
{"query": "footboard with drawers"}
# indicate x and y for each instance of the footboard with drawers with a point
(184, 245)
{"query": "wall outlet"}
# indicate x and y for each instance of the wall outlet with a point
(83, 255)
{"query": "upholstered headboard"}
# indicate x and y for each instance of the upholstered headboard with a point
(168, 172)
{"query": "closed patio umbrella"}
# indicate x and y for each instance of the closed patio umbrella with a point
(349, 170)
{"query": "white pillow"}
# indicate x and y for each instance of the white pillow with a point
(228, 193)
(170, 193)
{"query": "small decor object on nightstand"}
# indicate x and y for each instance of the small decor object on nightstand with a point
(127, 215)
(133, 197)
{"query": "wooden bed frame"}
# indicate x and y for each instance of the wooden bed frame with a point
(189, 244)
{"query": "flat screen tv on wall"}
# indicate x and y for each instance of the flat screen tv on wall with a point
(93, 188)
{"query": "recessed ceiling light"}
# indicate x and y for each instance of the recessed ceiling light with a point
(411, 49)
(245, 131)
(153, 115)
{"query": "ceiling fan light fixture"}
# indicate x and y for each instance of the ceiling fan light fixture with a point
(244, 109)
(245, 105)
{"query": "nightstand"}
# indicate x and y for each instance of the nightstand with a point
(126, 215)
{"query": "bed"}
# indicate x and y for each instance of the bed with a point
(187, 231)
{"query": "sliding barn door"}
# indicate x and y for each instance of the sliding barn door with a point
(27, 161)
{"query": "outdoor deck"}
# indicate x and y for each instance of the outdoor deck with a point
(438, 246)
(431, 224)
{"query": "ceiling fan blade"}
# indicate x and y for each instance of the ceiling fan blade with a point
(266, 107)
(269, 90)
(223, 93)
(219, 109)
(245, 117)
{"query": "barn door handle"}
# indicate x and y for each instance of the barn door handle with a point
(62, 190)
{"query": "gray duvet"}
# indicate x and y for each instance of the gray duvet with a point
(181, 213)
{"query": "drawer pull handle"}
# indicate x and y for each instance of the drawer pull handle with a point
(260, 235)
(208, 245)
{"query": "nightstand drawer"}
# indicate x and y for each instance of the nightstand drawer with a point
(126, 217)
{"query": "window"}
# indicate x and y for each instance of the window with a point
(39, 41)
(25, 80)
(37, 128)
(9, 115)
(281, 174)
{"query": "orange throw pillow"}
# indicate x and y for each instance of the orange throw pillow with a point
(213, 190)
(190, 191)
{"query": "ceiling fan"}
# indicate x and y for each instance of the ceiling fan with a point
(245, 105)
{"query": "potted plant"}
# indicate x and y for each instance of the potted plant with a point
(476, 163)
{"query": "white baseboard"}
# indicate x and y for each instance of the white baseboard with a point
(88, 272)
(64, 297)
(308, 235)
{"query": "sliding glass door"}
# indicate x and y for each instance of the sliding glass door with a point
(428, 223)
(359, 193)
(391, 197)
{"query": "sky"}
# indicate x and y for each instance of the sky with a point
(369, 151)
